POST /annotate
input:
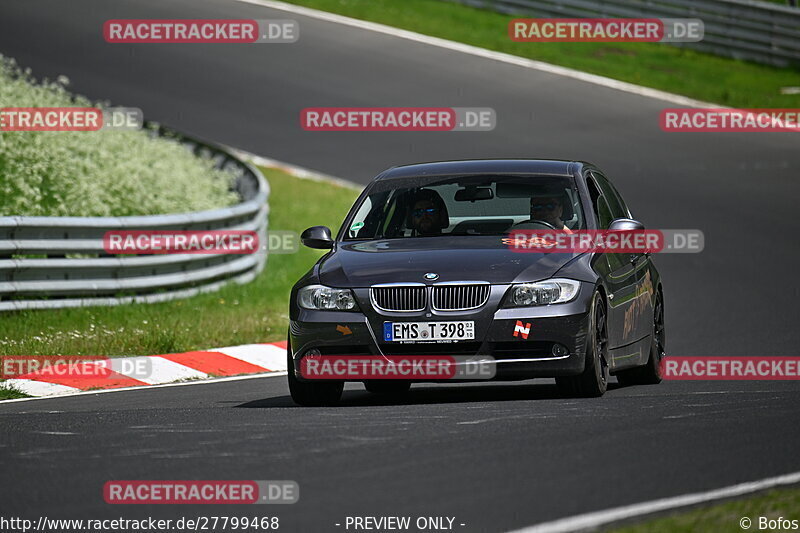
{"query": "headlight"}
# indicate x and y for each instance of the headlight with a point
(551, 291)
(321, 298)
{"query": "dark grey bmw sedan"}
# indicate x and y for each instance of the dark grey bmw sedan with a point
(421, 267)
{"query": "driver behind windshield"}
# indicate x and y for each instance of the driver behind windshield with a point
(549, 208)
(428, 214)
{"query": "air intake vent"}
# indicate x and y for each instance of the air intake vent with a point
(460, 297)
(399, 297)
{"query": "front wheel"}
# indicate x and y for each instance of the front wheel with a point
(593, 381)
(310, 393)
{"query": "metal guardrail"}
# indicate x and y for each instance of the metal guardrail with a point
(96, 278)
(743, 29)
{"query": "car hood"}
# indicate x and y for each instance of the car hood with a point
(469, 258)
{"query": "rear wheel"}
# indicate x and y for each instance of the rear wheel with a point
(650, 374)
(311, 393)
(593, 381)
(388, 387)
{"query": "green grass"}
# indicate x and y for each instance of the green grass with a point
(10, 393)
(702, 76)
(724, 517)
(237, 314)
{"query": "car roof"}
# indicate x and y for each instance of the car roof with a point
(551, 167)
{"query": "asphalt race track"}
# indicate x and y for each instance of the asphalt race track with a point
(495, 456)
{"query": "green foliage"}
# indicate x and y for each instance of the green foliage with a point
(97, 173)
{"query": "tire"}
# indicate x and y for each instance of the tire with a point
(593, 381)
(389, 387)
(310, 393)
(650, 373)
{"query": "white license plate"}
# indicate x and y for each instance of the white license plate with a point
(428, 331)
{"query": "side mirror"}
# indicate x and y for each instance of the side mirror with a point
(318, 237)
(625, 224)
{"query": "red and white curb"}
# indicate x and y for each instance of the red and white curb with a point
(165, 368)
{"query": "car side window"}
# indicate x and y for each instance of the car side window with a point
(615, 202)
(601, 209)
(618, 196)
(604, 213)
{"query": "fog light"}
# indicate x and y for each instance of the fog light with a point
(313, 352)
(559, 350)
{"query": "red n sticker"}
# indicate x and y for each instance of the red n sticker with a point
(522, 330)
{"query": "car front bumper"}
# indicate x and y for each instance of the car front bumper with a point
(517, 356)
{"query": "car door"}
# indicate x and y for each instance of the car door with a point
(620, 278)
(643, 307)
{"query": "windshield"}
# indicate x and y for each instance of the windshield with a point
(474, 205)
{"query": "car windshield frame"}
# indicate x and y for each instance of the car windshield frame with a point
(410, 182)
